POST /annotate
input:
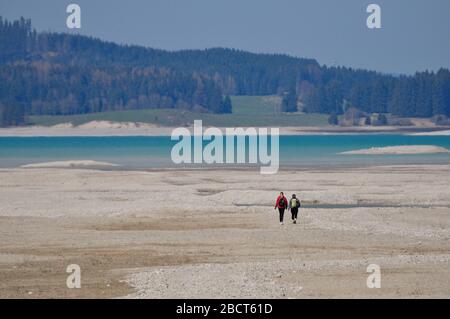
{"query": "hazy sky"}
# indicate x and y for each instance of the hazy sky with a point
(414, 36)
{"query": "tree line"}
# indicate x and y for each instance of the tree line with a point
(58, 73)
(423, 94)
(61, 74)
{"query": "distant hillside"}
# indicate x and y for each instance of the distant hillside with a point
(63, 74)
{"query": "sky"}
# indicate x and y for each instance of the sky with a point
(414, 35)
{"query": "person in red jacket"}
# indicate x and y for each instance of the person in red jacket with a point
(281, 204)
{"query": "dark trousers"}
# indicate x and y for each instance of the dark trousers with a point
(281, 211)
(294, 212)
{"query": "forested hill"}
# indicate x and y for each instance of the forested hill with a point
(51, 73)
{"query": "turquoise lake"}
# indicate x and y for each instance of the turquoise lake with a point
(139, 152)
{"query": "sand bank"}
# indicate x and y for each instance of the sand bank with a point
(399, 150)
(70, 164)
(115, 125)
(434, 133)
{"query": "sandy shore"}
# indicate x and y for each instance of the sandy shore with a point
(215, 233)
(103, 128)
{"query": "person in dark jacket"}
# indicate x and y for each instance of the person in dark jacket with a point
(294, 205)
(281, 204)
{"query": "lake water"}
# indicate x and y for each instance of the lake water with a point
(139, 152)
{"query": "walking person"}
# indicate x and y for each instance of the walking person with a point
(294, 205)
(281, 204)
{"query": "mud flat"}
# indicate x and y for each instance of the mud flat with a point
(214, 233)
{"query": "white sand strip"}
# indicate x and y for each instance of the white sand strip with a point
(69, 164)
(115, 125)
(400, 150)
(436, 133)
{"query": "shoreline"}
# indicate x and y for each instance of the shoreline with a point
(163, 131)
(232, 169)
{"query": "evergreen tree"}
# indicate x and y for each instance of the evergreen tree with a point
(382, 120)
(12, 114)
(441, 93)
(424, 100)
(289, 102)
(227, 106)
(333, 119)
(2, 114)
(379, 97)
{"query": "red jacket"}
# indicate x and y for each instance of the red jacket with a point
(277, 204)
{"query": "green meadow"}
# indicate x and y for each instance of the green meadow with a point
(247, 111)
